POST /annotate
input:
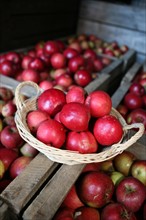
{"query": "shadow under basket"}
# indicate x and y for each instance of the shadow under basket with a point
(62, 155)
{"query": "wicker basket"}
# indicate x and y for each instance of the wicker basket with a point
(66, 156)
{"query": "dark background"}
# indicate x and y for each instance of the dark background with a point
(25, 22)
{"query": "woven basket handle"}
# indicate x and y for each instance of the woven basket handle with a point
(18, 92)
(133, 138)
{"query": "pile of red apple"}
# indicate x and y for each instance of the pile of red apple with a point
(74, 120)
(112, 49)
(54, 63)
(110, 190)
(15, 154)
(133, 105)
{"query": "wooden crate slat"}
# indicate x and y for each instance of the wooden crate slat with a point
(19, 192)
(123, 88)
(55, 191)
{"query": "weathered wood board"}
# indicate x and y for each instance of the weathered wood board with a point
(123, 23)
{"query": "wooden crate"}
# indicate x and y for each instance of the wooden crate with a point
(38, 192)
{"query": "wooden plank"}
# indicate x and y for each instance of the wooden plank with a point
(22, 189)
(139, 153)
(113, 14)
(12, 84)
(43, 207)
(128, 58)
(133, 39)
(125, 83)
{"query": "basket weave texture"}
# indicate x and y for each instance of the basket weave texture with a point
(66, 156)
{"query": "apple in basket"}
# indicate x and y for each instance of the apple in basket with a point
(51, 101)
(108, 130)
(102, 106)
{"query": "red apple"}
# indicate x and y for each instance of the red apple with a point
(82, 142)
(10, 137)
(124, 48)
(36, 64)
(34, 118)
(123, 162)
(7, 68)
(142, 82)
(137, 116)
(131, 193)
(76, 94)
(30, 75)
(64, 213)
(132, 101)
(99, 103)
(25, 61)
(108, 130)
(51, 101)
(58, 60)
(32, 53)
(76, 45)
(51, 47)
(9, 120)
(5, 94)
(76, 63)
(70, 53)
(64, 80)
(45, 59)
(75, 116)
(98, 65)
(95, 189)
(72, 200)
(137, 89)
(46, 84)
(9, 109)
(82, 77)
(122, 109)
(61, 45)
(106, 61)
(7, 156)
(58, 72)
(86, 213)
(89, 53)
(13, 57)
(28, 151)
(92, 167)
(138, 170)
(51, 132)
(19, 165)
(117, 211)
(2, 58)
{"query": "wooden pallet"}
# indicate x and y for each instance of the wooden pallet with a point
(38, 192)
